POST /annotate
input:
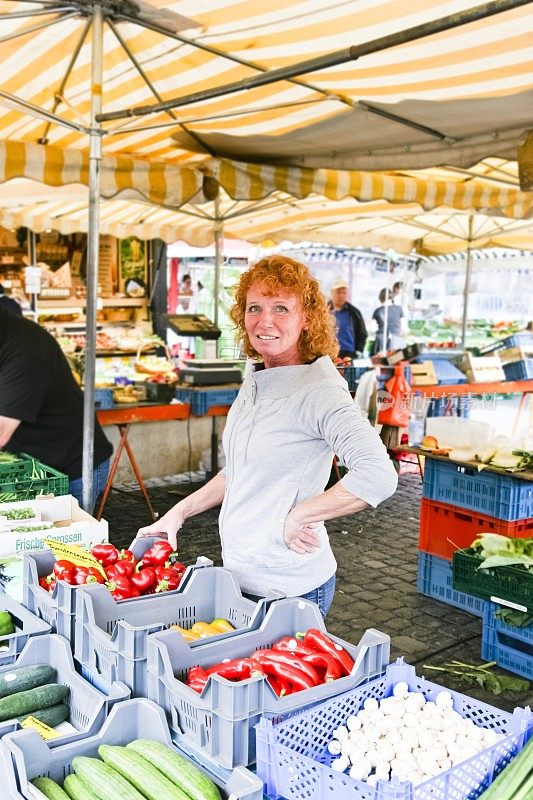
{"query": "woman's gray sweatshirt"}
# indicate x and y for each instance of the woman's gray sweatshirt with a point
(279, 440)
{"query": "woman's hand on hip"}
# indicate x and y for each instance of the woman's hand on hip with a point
(168, 526)
(300, 536)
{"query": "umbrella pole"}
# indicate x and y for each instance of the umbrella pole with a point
(219, 233)
(93, 252)
(466, 290)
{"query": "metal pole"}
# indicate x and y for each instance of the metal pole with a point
(93, 252)
(219, 232)
(332, 59)
(466, 290)
(384, 347)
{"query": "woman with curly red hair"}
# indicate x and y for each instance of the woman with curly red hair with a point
(292, 413)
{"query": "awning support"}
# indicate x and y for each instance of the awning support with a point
(93, 254)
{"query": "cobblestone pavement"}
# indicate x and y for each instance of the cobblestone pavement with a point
(377, 559)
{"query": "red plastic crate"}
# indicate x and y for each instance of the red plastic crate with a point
(445, 528)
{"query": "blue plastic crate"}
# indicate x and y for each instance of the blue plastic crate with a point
(490, 493)
(293, 763)
(219, 724)
(435, 579)
(510, 647)
(447, 373)
(519, 370)
(517, 340)
(24, 756)
(352, 375)
(103, 398)
(201, 400)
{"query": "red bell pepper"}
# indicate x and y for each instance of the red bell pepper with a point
(124, 568)
(46, 581)
(144, 580)
(127, 555)
(158, 554)
(291, 660)
(120, 588)
(168, 579)
(106, 554)
(321, 643)
(64, 570)
(85, 575)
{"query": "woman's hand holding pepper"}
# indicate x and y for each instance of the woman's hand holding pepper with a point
(299, 535)
(169, 524)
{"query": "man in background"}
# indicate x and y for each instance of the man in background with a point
(41, 405)
(351, 328)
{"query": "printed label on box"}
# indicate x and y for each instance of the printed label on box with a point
(44, 730)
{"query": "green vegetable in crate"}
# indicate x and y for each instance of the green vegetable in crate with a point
(515, 782)
(18, 513)
(502, 551)
(7, 625)
(106, 783)
(141, 774)
(77, 789)
(51, 716)
(15, 705)
(39, 526)
(20, 679)
(177, 768)
(50, 789)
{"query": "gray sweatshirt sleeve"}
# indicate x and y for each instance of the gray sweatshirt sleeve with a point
(331, 413)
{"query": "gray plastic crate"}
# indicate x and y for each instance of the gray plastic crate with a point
(219, 723)
(58, 608)
(25, 756)
(88, 706)
(26, 626)
(110, 639)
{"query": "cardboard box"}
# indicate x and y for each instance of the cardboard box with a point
(71, 525)
(513, 354)
(482, 369)
(423, 374)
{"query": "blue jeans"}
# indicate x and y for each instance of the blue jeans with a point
(100, 474)
(322, 596)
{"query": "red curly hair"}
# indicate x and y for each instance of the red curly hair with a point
(278, 274)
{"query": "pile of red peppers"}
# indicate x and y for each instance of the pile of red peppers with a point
(291, 665)
(125, 577)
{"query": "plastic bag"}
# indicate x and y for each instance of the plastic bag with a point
(394, 402)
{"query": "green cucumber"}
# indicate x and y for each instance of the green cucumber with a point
(27, 702)
(516, 780)
(177, 768)
(78, 789)
(139, 772)
(106, 783)
(22, 678)
(51, 716)
(50, 789)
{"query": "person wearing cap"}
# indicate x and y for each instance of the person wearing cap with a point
(351, 328)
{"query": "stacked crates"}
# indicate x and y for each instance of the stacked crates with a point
(459, 503)
(24, 478)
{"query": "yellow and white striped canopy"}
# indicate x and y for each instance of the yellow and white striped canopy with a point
(450, 98)
(278, 217)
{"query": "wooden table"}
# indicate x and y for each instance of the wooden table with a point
(123, 417)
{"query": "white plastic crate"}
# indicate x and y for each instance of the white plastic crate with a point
(110, 636)
(293, 762)
(26, 625)
(218, 724)
(58, 608)
(89, 706)
(24, 756)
